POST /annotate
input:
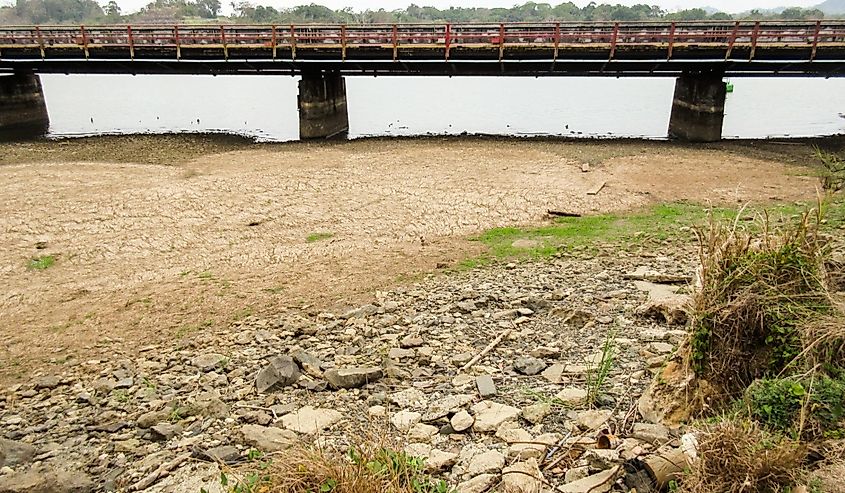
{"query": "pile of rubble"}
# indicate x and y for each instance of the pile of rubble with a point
(484, 373)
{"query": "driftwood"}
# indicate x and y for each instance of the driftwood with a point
(658, 278)
(159, 473)
(562, 213)
(489, 348)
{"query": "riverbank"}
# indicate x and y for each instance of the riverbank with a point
(115, 242)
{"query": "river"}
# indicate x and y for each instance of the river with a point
(264, 107)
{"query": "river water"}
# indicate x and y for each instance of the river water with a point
(264, 107)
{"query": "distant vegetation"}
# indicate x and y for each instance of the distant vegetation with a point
(200, 11)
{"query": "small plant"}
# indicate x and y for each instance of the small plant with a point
(776, 403)
(315, 237)
(42, 262)
(597, 373)
(833, 176)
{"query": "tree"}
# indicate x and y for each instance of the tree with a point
(112, 10)
(208, 9)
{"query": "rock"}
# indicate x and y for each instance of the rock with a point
(48, 382)
(207, 404)
(486, 387)
(462, 380)
(224, 453)
(447, 405)
(572, 396)
(478, 484)
(654, 434)
(663, 303)
(554, 373)
(439, 460)
(529, 365)
(522, 477)
(410, 341)
(661, 347)
(546, 352)
(575, 473)
(486, 462)
(421, 450)
(593, 419)
(601, 459)
(670, 397)
(597, 483)
(377, 411)
(536, 413)
(14, 453)
(404, 420)
(489, 415)
(152, 418)
(462, 421)
(45, 479)
(309, 420)
(268, 438)
(400, 354)
(280, 372)
(411, 397)
(461, 359)
(309, 363)
(422, 432)
(352, 378)
(209, 361)
(165, 431)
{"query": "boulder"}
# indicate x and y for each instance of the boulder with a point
(309, 420)
(281, 371)
(352, 378)
(268, 438)
(14, 453)
(45, 479)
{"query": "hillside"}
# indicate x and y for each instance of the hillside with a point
(832, 7)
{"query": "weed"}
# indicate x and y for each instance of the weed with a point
(833, 176)
(315, 237)
(242, 314)
(597, 373)
(41, 263)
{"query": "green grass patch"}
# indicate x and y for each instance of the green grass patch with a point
(41, 263)
(315, 237)
(657, 224)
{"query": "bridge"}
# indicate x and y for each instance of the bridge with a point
(698, 54)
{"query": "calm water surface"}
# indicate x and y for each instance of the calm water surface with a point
(265, 106)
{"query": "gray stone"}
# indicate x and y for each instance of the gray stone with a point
(208, 361)
(462, 421)
(404, 420)
(478, 484)
(165, 431)
(351, 378)
(487, 462)
(536, 413)
(309, 420)
(439, 460)
(268, 438)
(410, 341)
(597, 483)
(14, 453)
(224, 453)
(280, 372)
(486, 386)
(489, 415)
(572, 396)
(152, 418)
(651, 433)
(441, 408)
(529, 365)
(48, 382)
(44, 479)
(523, 477)
(593, 419)
(310, 364)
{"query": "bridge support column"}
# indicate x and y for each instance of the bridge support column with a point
(23, 113)
(322, 106)
(698, 108)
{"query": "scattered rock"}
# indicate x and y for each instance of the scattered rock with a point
(486, 387)
(478, 484)
(280, 372)
(572, 396)
(404, 420)
(489, 415)
(536, 413)
(529, 365)
(209, 361)
(487, 462)
(593, 419)
(268, 438)
(14, 453)
(462, 421)
(597, 483)
(651, 433)
(45, 479)
(523, 477)
(309, 420)
(352, 378)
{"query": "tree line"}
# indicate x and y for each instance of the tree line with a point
(173, 11)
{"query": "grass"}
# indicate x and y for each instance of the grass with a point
(597, 373)
(315, 237)
(41, 263)
(658, 224)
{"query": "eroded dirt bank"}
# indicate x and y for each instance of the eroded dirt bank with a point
(155, 238)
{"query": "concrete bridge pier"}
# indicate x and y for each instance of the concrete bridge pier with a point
(322, 105)
(698, 107)
(23, 113)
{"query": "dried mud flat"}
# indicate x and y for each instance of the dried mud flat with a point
(139, 354)
(148, 252)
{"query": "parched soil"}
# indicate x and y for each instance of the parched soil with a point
(158, 237)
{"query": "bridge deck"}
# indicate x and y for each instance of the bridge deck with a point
(815, 48)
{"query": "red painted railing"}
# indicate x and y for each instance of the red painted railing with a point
(728, 36)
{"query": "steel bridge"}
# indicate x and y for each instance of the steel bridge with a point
(699, 54)
(734, 48)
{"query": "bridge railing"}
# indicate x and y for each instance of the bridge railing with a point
(447, 37)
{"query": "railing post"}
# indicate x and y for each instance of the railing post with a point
(815, 40)
(343, 42)
(501, 42)
(615, 36)
(176, 39)
(84, 41)
(131, 42)
(395, 38)
(754, 40)
(671, 40)
(40, 40)
(292, 42)
(448, 39)
(223, 41)
(273, 41)
(557, 40)
(732, 40)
